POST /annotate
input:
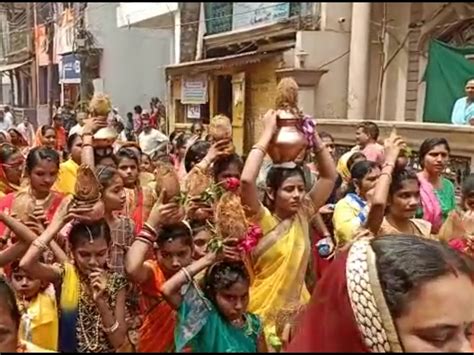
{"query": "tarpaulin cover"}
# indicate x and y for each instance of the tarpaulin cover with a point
(446, 75)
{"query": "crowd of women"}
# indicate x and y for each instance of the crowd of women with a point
(359, 253)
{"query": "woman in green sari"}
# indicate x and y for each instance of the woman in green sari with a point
(214, 317)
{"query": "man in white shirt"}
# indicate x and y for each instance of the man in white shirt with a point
(150, 139)
(27, 130)
(80, 117)
(7, 122)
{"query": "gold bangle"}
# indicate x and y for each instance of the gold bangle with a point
(260, 148)
(150, 228)
(111, 329)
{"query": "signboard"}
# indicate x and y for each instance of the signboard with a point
(69, 69)
(194, 90)
(248, 14)
(193, 112)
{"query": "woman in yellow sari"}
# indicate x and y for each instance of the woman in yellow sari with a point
(282, 256)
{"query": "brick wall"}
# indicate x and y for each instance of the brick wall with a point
(189, 12)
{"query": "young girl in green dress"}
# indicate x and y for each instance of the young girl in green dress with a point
(213, 317)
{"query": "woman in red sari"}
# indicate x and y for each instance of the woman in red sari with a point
(42, 166)
(139, 199)
(396, 293)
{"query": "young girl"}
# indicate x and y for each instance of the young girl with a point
(122, 235)
(92, 299)
(139, 199)
(214, 319)
(396, 197)
(10, 319)
(350, 213)
(37, 304)
(174, 251)
(42, 166)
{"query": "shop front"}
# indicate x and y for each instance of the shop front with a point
(240, 86)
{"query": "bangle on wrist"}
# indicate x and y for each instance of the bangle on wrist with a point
(186, 274)
(260, 148)
(111, 329)
(40, 245)
(144, 240)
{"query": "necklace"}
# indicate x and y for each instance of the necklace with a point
(92, 344)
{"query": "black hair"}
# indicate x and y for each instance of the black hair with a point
(70, 141)
(8, 298)
(276, 176)
(80, 232)
(6, 152)
(358, 171)
(45, 128)
(399, 176)
(173, 135)
(222, 275)
(326, 135)
(353, 158)
(428, 145)
(223, 163)
(127, 153)
(138, 109)
(468, 186)
(370, 128)
(172, 232)
(195, 154)
(193, 126)
(38, 154)
(6, 108)
(182, 140)
(407, 262)
(105, 174)
(129, 115)
(98, 158)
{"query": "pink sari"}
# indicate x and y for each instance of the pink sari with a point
(431, 206)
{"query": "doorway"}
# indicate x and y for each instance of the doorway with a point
(224, 95)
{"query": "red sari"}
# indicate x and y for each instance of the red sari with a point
(329, 324)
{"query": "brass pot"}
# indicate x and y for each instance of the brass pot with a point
(289, 142)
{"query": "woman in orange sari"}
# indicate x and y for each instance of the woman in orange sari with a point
(11, 168)
(42, 165)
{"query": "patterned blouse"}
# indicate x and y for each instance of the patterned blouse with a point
(89, 331)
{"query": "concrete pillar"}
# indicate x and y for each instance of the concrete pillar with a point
(359, 61)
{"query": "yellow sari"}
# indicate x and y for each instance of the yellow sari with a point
(67, 177)
(39, 323)
(279, 264)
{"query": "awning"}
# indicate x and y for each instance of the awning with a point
(12, 66)
(205, 65)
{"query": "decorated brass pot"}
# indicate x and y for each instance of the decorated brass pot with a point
(289, 142)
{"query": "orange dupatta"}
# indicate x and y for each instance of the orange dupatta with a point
(157, 331)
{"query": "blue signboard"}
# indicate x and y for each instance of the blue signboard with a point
(69, 69)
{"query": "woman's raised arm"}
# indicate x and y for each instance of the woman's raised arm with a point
(248, 179)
